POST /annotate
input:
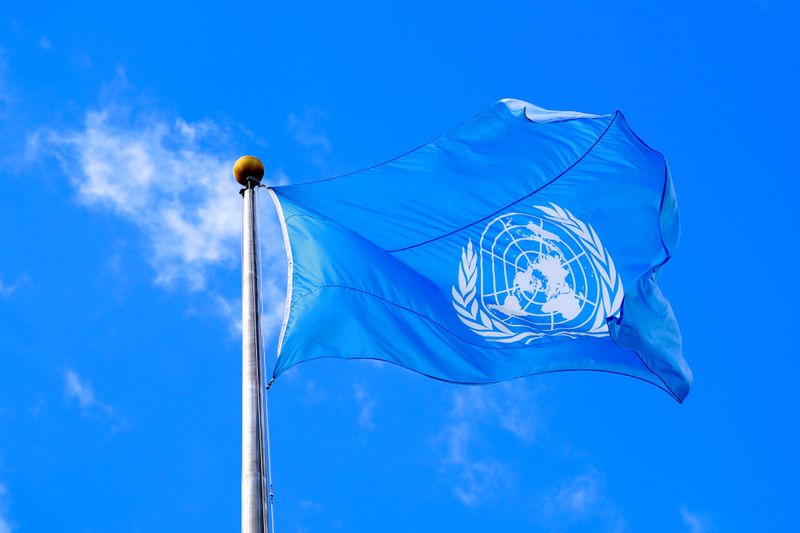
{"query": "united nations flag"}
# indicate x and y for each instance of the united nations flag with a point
(524, 241)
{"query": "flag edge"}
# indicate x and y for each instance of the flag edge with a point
(290, 270)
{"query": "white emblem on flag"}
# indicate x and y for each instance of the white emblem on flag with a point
(535, 276)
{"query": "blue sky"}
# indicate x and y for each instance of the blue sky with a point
(119, 287)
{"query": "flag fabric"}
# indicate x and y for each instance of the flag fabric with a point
(522, 242)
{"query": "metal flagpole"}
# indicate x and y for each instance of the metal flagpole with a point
(248, 171)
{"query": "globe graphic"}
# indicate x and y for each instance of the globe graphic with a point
(536, 275)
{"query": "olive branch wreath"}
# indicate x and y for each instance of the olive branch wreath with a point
(479, 321)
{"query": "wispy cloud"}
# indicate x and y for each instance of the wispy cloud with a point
(511, 405)
(366, 406)
(478, 477)
(157, 174)
(306, 510)
(694, 522)
(474, 409)
(171, 178)
(231, 311)
(7, 289)
(581, 499)
(579, 496)
(310, 505)
(307, 130)
(5, 522)
(80, 391)
(308, 391)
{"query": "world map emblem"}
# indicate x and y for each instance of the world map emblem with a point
(544, 273)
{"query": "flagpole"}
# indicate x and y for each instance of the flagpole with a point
(248, 171)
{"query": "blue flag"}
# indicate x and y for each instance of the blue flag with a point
(525, 241)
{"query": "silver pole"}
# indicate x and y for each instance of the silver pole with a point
(253, 475)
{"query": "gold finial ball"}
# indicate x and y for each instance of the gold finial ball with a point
(248, 167)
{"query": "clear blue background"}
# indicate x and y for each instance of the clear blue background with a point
(120, 396)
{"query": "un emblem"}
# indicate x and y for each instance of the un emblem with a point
(536, 275)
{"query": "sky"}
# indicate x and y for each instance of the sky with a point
(119, 267)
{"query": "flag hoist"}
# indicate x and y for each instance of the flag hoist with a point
(248, 171)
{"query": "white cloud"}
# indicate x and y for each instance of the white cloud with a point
(311, 391)
(306, 509)
(154, 176)
(510, 404)
(583, 499)
(231, 311)
(310, 505)
(475, 476)
(5, 523)
(480, 479)
(171, 179)
(695, 523)
(307, 130)
(8, 289)
(366, 406)
(466, 455)
(579, 496)
(78, 389)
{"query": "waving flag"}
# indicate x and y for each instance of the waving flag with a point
(524, 241)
